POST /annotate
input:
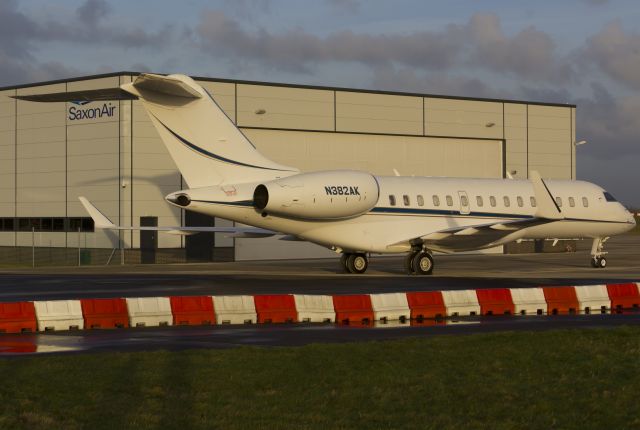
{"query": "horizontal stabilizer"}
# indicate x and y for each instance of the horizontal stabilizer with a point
(103, 94)
(167, 85)
(100, 221)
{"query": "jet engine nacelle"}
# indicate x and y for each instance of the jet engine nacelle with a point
(321, 195)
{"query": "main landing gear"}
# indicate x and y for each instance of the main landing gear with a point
(419, 262)
(354, 263)
(597, 254)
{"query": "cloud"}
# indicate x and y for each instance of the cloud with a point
(24, 37)
(616, 53)
(480, 42)
(530, 54)
(92, 11)
(596, 2)
(349, 6)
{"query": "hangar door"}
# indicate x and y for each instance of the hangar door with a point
(378, 154)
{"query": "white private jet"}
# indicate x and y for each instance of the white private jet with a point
(351, 212)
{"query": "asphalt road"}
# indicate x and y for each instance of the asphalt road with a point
(307, 277)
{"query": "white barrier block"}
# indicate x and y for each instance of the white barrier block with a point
(593, 299)
(390, 307)
(529, 301)
(461, 303)
(59, 315)
(149, 311)
(314, 308)
(235, 309)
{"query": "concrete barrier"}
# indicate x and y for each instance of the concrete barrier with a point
(104, 313)
(353, 309)
(235, 309)
(593, 299)
(461, 302)
(149, 311)
(390, 307)
(426, 305)
(561, 300)
(528, 301)
(192, 310)
(59, 315)
(17, 317)
(314, 308)
(624, 296)
(275, 308)
(496, 301)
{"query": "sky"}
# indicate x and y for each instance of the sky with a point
(583, 52)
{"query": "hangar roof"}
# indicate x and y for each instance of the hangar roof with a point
(276, 84)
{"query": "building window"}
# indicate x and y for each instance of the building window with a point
(449, 201)
(506, 201)
(572, 202)
(479, 201)
(585, 202)
(58, 224)
(436, 200)
(492, 201)
(520, 201)
(559, 201)
(406, 200)
(420, 200)
(533, 201)
(392, 200)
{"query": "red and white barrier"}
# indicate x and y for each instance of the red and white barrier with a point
(421, 308)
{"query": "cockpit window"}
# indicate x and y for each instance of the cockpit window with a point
(609, 197)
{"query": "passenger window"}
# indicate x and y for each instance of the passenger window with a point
(559, 201)
(420, 200)
(392, 200)
(436, 200)
(507, 202)
(533, 201)
(572, 202)
(585, 202)
(464, 201)
(449, 201)
(406, 200)
(479, 201)
(520, 201)
(492, 201)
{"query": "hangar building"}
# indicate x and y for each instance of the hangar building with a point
(51, 153)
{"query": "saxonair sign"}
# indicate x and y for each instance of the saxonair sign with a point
(82, 111)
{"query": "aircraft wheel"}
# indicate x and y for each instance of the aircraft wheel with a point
(343, 262)
(357, 263)
(599, 262)
(408, 263)
(423, 263)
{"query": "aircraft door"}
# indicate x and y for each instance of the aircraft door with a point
(464, 202)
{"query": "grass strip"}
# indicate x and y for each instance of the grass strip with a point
(544, 380)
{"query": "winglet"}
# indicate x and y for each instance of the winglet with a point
(99, 220)
(546, 205)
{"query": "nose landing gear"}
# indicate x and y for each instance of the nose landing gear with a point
(597, 254)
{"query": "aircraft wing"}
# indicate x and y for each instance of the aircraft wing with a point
(100, 221)
(466, 238)
(481, 236)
